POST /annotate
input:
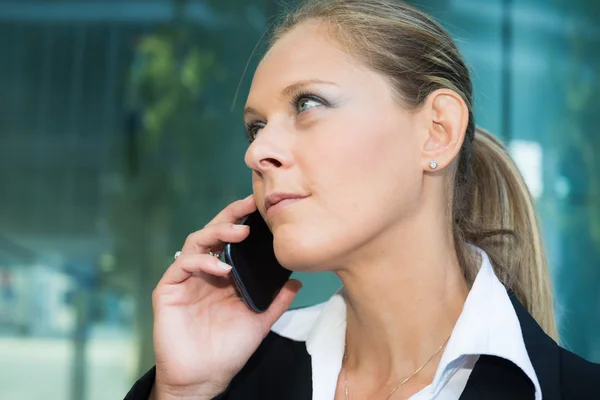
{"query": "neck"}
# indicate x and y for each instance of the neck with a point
(402, 304)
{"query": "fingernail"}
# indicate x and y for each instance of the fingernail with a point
(249, 196)
(223, 266)
(239, 227)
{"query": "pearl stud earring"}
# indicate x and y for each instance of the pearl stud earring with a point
(433, 164)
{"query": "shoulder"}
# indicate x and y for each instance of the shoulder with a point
(561, 373)
(142, 387)
(577, 375)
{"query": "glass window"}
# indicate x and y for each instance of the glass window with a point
(121, 133)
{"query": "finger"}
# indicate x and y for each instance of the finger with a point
(188, 264)
(213, 236)
(235, 211)
(282, 302)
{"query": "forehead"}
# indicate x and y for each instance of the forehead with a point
(306, 52)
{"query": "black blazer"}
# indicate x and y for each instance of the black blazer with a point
(281, 369)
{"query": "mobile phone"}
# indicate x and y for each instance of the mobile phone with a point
(256, 272)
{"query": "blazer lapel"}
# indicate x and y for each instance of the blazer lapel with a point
(543, 351)
(497, 378)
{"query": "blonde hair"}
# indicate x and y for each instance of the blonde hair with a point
(491, 204)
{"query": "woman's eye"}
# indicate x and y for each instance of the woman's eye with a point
(306, 104)
(252, 130)
(301, 102)
(305, 101)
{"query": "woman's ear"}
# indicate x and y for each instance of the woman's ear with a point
(446, 117)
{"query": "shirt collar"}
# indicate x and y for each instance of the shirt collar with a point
(487, 325)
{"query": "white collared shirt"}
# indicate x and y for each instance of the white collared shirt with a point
(487, 325)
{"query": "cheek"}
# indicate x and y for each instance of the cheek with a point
(370, 163)
(363, 177)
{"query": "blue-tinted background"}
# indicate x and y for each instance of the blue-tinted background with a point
(118, 138)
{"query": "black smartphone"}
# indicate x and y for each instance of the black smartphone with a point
(256, 272)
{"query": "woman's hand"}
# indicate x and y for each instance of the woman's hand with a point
(203, 332)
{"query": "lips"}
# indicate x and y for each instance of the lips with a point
(276, 198)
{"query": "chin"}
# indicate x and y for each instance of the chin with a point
(299, 252)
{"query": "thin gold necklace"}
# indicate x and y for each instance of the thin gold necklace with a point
(401, 383)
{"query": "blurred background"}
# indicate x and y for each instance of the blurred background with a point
(118, 138)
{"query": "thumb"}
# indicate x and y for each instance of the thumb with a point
(282, 302)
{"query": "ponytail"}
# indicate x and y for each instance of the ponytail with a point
(494, 211)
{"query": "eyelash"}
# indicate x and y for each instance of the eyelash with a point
(302, 95)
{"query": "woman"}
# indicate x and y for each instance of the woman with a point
(364, 110)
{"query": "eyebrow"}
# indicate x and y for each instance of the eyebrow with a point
(291, 89)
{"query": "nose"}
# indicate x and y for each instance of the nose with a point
(270, 150)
